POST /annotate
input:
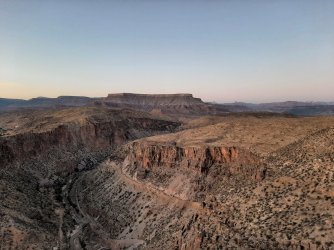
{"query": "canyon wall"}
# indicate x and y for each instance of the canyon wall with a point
(91, 135)
(150, 155)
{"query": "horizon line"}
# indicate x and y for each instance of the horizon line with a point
(171, 94)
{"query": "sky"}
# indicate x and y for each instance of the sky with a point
(223, 51)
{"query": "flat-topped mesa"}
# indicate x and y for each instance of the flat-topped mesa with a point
(153, 99)
(150, 95)
(158, 103)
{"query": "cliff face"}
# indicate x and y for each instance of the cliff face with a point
(201, 159)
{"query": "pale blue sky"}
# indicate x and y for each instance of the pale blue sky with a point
(218, 50)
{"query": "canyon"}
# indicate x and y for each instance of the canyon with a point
(164, 172)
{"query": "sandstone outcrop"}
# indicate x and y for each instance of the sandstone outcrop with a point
(150, 155)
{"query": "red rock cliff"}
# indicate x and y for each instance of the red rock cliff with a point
(239, 161)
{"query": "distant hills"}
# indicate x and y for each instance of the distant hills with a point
(289, 107)
(169, 104)
(45, 102)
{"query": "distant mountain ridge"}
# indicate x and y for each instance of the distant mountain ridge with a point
(45, 102)
(183, 103)
(290, 107)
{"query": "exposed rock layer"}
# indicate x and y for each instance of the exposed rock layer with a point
(150, 155)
